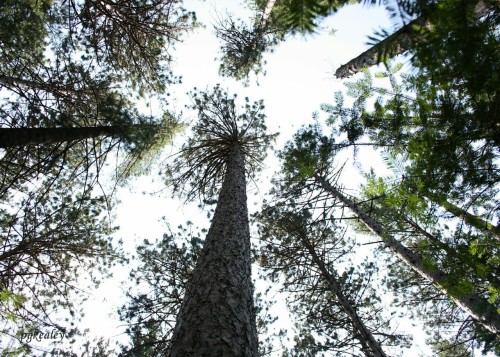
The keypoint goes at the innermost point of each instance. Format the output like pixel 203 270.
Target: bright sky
pixel 299 78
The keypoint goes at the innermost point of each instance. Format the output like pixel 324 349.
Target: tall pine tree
pixel 217 315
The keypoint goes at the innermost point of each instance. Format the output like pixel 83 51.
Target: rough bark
pixel 476 306
pixel 390 47
pixel 217 316
pixel 12 137
pixel 370 345
pixel 398 43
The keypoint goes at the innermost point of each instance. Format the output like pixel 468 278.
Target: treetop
pixel 221 127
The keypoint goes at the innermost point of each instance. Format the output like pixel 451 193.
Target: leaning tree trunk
pixel 12 137
pixel 472 261
pixel 370 345
pixel 217 316
pixel 472 220
pixel 390 47
pixel 399 42
pixel 476 306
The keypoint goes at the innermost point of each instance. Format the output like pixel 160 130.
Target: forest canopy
pixel 376 218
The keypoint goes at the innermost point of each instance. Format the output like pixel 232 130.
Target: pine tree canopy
pixel 67 70
pixel 362 259
pixel 340 309
pixel 243 45
pixel 127 38
pixel 437 127
pixel 201 165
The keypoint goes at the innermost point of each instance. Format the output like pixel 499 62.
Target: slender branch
pixel 475 305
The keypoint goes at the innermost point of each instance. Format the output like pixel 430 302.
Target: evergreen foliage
pixel 163 273
pixel 302 17
pixel 244 45
pixel 201 165
pixel 438 128
pixel 72 65
pixel 47 242
pixel 462 271
pixel 337 312
pixel 62 65
pixel 218 314
pixel 68 66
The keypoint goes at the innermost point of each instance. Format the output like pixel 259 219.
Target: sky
pixel 299 79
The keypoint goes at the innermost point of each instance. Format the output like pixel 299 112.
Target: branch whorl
pixel 200 166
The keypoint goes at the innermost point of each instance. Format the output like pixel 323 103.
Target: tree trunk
pixel 267 13
pixel 217 316
pixel 19 82
pixel 472 220
pixel 370 346
pixel 390 47
pixel 53 88
pixel 260 29
pixel 472 261
pixel 397 43
pixel 476 306
pixel 12 137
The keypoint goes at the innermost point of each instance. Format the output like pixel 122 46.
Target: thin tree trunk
pixel 370 345
pixel 470 260
pixel 472 220
pixel 54 88
pixel 476 306
pixel 390 47
pixel 12 137
pixel 217 316
pixel 267 13
pixel 397 43
pixel 261 27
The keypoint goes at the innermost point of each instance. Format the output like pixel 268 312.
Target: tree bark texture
pixel 390 47
pixel 399 42
pixel 474 305
pixel 217 316
pixel 370 346
pixel 12 137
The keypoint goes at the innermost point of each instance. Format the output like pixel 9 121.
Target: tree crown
pixel 202 160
